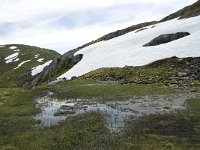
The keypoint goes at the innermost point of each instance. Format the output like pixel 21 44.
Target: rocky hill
pixel 19 63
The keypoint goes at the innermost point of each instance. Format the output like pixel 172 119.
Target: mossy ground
pixel 178 130
pixel 105 91
pixel 15 113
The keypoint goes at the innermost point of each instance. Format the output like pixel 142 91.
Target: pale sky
pixel 66 24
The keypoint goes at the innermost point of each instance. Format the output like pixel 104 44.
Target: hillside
pixel 68 60
pixel 187 12
pixel 126 47
pixel 19 63
pixel 137 88
pixel 172 71
pixel 129 49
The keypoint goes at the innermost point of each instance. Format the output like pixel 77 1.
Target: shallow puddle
pixel 54 110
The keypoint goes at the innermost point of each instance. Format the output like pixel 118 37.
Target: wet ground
pixel 54 110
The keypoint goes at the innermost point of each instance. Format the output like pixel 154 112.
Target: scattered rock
pixel 140 30
pixel 166 107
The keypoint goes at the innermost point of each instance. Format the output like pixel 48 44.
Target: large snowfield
pixel 128 50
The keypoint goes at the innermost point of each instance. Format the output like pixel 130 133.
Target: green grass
pixel 15 113
pixel 81 132
pixel 190 11
pixel 178 130
pixel 105 91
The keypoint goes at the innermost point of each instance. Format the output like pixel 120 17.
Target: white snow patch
pixel 39 68
pixel 22 63
pixel 16 60
pixel 40 60
pixel 16 50
pixel 55 81
pixel 13 47
pixel 128 49
pixel 12 57
pixel 37 55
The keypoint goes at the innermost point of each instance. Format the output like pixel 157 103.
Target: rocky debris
pixel 172 71
pixel 165 38
pixel 183 71
pixel 63 63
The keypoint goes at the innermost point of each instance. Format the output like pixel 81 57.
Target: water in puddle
pixel 54 110
pixel 66 108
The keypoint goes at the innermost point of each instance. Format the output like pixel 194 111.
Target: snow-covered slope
pixel 128 49
pixel 39 68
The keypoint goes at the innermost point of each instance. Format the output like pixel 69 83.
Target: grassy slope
pixel 102 91
pixel 9 75
pixel 187 12
pixel 166 71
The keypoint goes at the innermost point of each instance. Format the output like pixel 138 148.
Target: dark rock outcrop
pixel 57 67
pixel 24 79
pixel 165 38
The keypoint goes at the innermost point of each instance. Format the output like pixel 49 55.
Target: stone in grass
pixel 2 101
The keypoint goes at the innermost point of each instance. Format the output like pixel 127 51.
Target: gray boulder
pixel 165 38
pixel 57 67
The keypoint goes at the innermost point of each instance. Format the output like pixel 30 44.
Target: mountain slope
pixel 187 12
pixel 19 63
pixel 129 50
pixel 126 47
pixel 68 60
